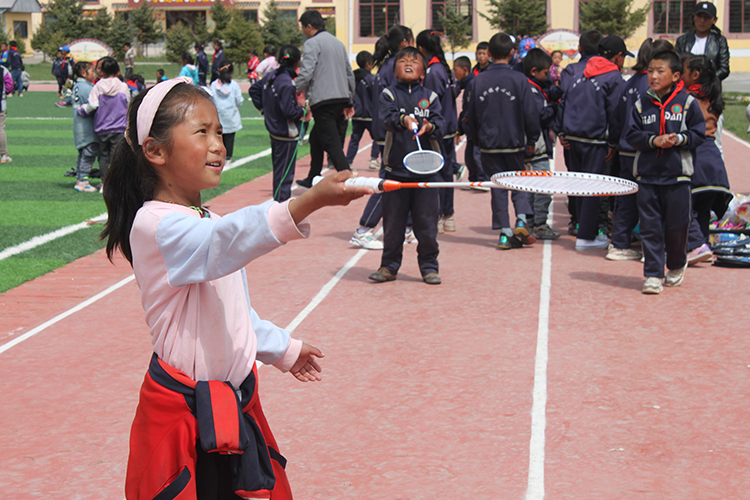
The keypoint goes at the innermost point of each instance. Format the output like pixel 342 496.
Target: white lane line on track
pixel 742 142
pixel 295 322
pixel 535 488
pixel 67 313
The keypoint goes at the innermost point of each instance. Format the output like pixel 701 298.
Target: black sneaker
pixel 573 229
pixel 544 232
pixel 304 183
pixel 507 242
pixel 522 232
pixel 72 173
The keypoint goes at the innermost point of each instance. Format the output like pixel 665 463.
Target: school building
pixel 359 23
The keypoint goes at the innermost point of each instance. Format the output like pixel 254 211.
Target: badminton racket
pixel 533 181
pixel 422 161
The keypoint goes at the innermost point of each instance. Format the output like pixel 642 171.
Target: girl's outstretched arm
pixel 328 192
pixel 307 369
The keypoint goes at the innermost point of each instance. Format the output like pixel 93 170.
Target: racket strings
pixel 423 162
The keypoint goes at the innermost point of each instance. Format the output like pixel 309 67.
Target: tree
pixel 331 25
pixel 101 26
pixel 200 30
pixel 612 17
pixel 147 29
pixel 241 36
pixel 63 22
pixel 221 17
pixel 456 26
pixel 518 17
pixel 178 41
pixel 277 29
pixel 120 33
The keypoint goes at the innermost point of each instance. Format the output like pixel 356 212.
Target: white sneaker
pixel 366 240
pixel 374 165
pixel 675 277
pixel 623 254
pixel 601 242
pixel 409 237
pixel 652 286
pixel 5 159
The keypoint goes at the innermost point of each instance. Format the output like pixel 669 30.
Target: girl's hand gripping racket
pixel 422 162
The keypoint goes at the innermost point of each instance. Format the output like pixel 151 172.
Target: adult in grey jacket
pixel 327 79
pixel 706 39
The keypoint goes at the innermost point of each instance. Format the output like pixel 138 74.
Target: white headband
pixel 150 104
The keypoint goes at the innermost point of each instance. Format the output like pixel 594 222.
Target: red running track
pixel 428 391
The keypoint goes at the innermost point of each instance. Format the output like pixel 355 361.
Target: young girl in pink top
pixel 199 430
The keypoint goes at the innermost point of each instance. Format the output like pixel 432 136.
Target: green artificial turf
pixel 37 199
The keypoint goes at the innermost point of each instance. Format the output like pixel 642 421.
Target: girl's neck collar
pixel 201 210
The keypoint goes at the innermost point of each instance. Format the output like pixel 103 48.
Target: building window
pixel 251 15
pixel 739 16
pixel 289 14
pixel 673 17
pixel 377 16
pixel 20 29
pixel 463 7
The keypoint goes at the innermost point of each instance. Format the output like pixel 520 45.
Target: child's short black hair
pixel 556 52
pixel 589 42
pixel 463 62
pixel 408 52
pixel 270 50
pixel 226 72
pixel 160 72
pixel 671 58
pixel 187 58
pixel 13 44
pixel 363 58
pixel 79 68
pixel 501 45
pixel 108 66
pixel 483 46
pixel 536 59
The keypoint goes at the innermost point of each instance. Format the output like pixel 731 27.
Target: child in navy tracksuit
pixel 501 119
pixel 282 116
pixel 536 66
pixel 665 127
pixel 397 105
pixel 362 119
pixel 588 124
pixel 472 156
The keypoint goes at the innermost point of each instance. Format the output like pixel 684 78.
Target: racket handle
pixel 373 183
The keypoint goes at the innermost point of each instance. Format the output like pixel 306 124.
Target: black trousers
pixel 229 144
pixel 330 127
pixel 358 131
pixel 665 212
pixel 284 162
pixel 423 205
pixel 626 208
pixel 589 158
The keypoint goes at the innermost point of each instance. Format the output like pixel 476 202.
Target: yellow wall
pixel 9 18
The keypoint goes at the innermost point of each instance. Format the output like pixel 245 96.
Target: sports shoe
pixel 432 279
pixel 652 286
pixel 84 187
pixel 374 164
pixel 449 223
pixel 409 238
pixel 304 183
pixel 544 232
pixel 601 242
pixel 441 225
pixel 573 228
pixel 382 275
pixel 366 240
pixel 462 173
pixel 623 254
pixel 701 254
pixel 521 231
pixel 508 242
pixel 5 159
pixel 675 277
pixel 59 104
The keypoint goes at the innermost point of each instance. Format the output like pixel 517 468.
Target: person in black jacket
pixel 706 39
pixel 15 64
pixel 202 62
pixel 217 60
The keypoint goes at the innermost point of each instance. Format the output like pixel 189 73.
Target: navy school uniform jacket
pixel 572 72
pixel 633 89
pixel 396 102
pixel 676 112
pixel 281 112
pixel 543 148
pixel 588 110
pixel 463 85
pixel 363 94
pixel 501 113
pixel 440 81
pixel 384 78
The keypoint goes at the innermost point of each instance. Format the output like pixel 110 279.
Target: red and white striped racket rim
pixel 569 183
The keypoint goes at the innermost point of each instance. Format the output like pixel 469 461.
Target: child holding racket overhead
pixel 199 430
pixel 665 127
pixel 402 105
